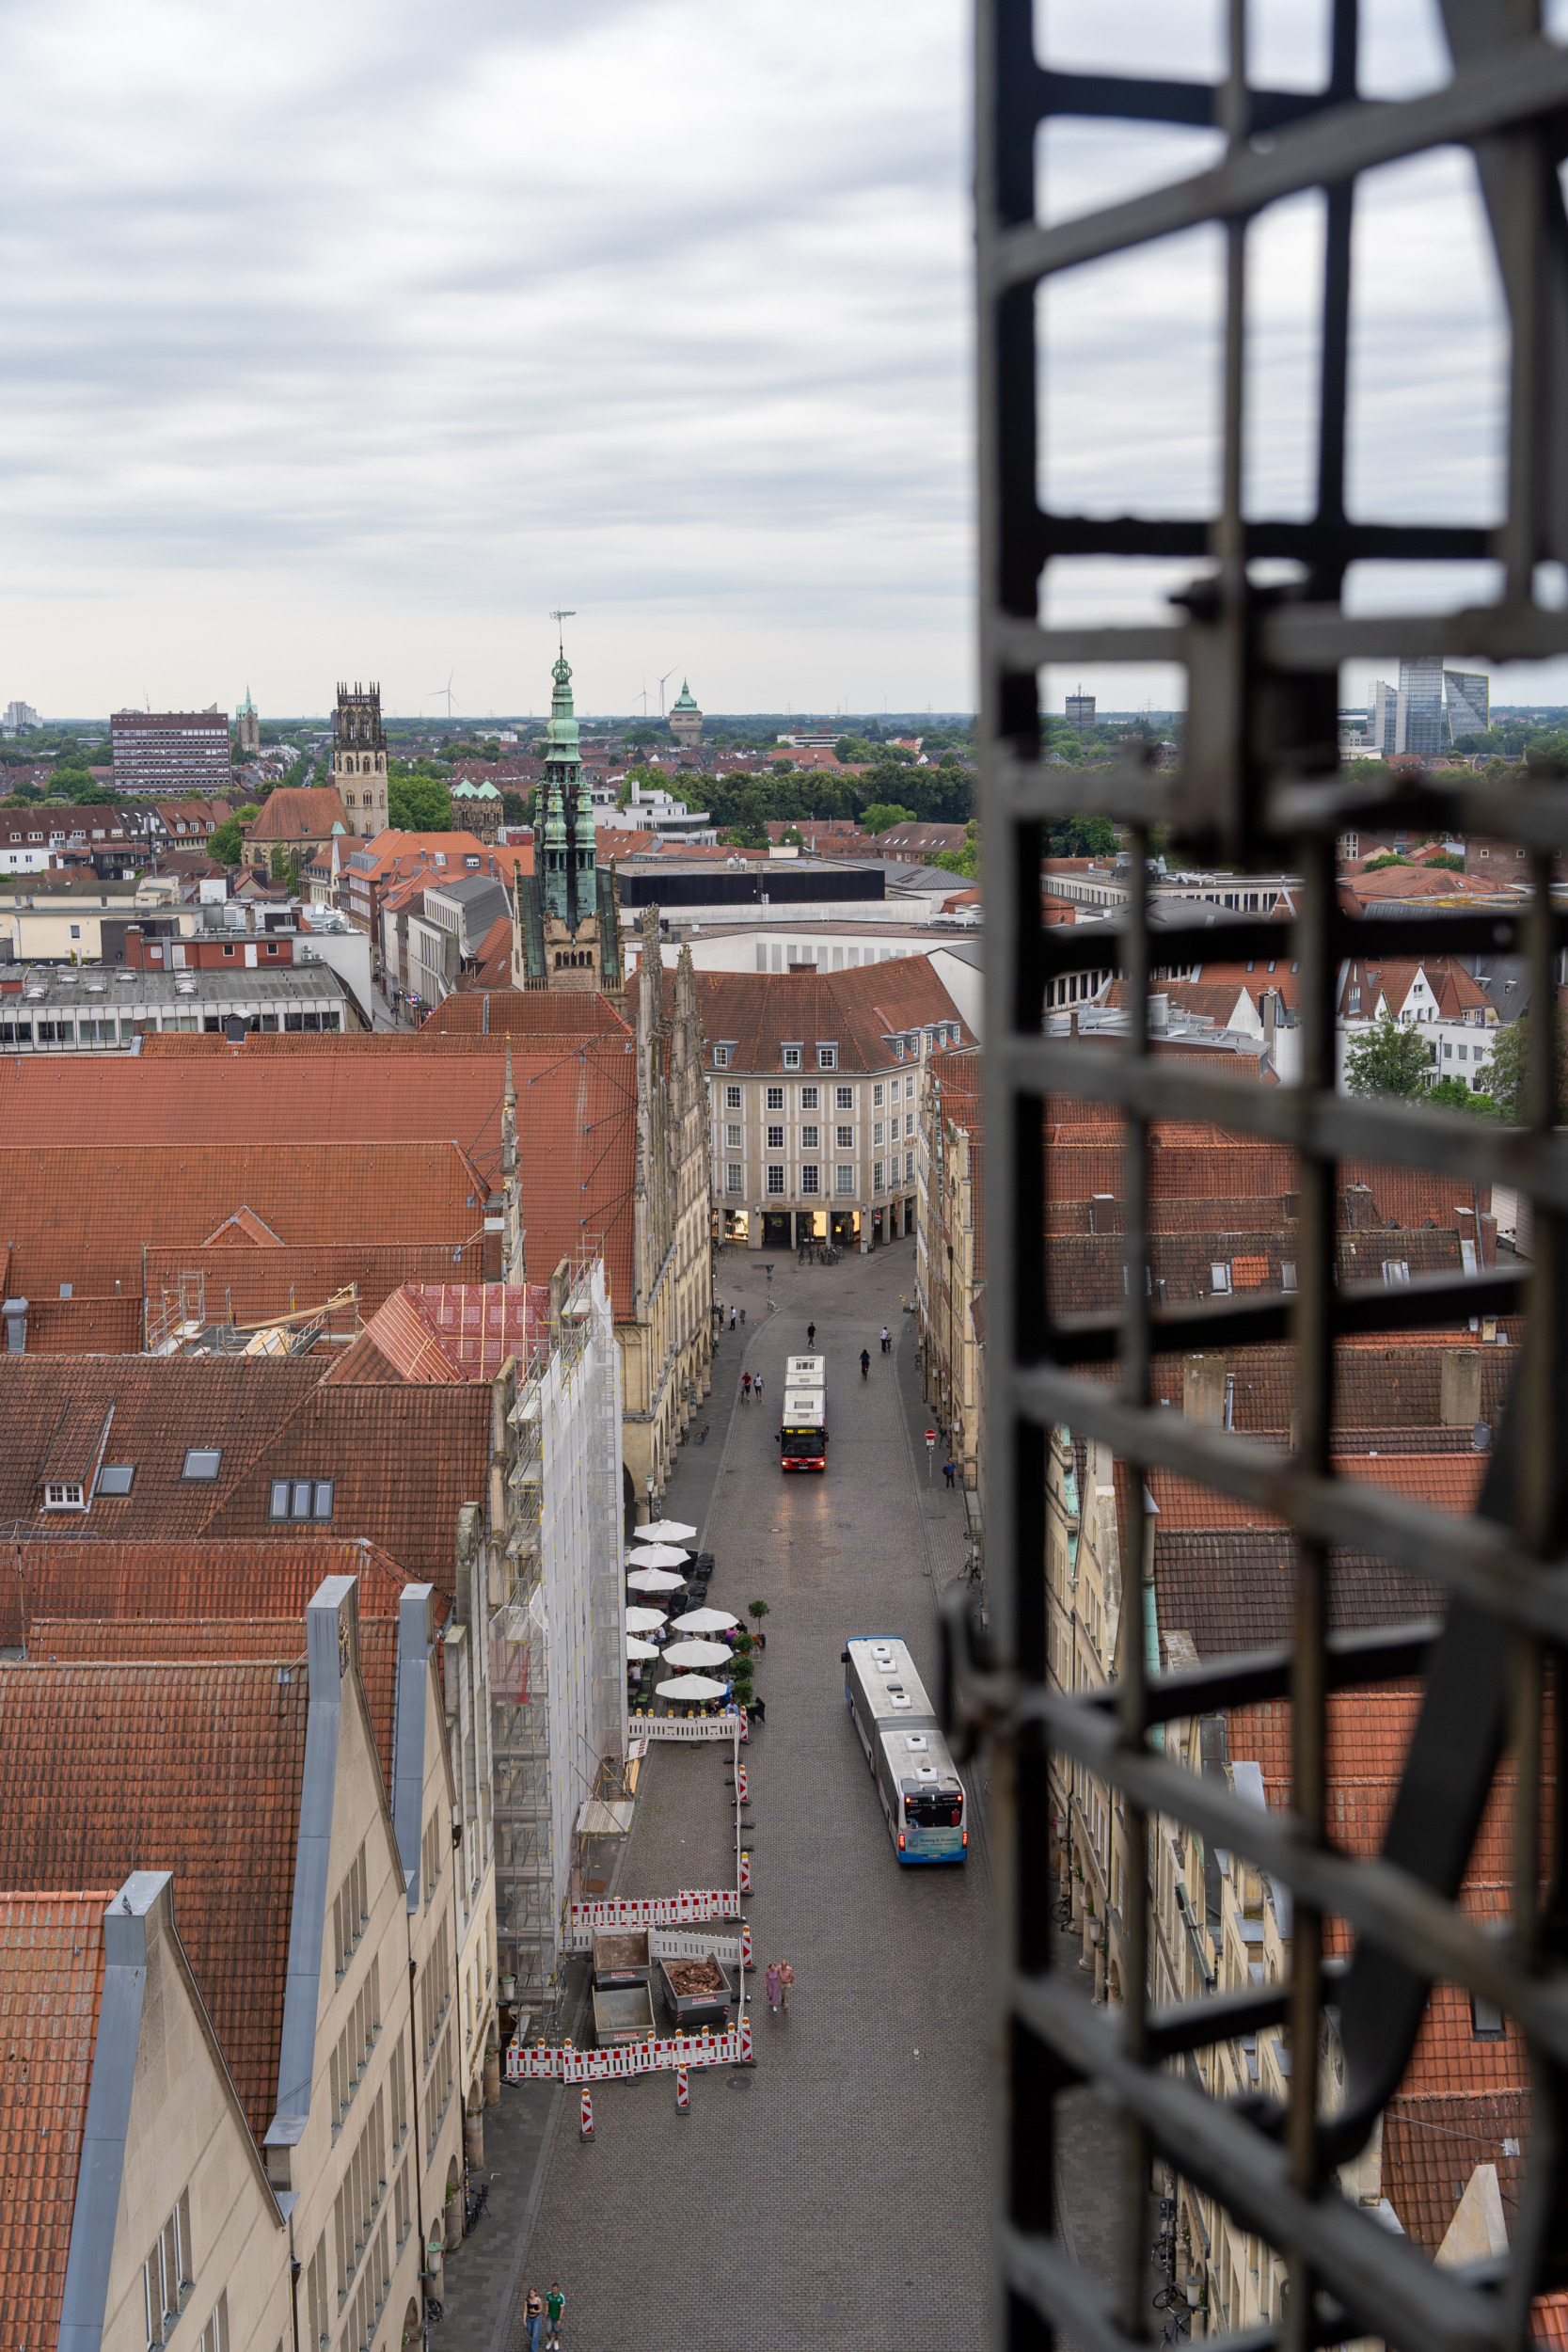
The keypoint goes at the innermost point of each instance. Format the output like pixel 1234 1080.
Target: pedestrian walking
pixel 758 1710
pixel 743 1318
pixel 555 2303
pixel 811 1335
pixel 887 1339
pixel 533 2312
pixel 759 1640
pixel 774 1986
pixel 949 1470
pixel 745 1388
pixel 865 1363
pixel 756 1385
pixel 731 1318
pixel 786 1977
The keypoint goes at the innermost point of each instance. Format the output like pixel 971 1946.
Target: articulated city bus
pixel 803 1431
pixel 917 1781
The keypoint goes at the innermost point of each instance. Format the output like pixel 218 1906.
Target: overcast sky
pixel 344 340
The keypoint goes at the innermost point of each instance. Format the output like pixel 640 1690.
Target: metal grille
pixel 1260 781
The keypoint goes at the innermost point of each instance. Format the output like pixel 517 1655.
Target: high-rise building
pixel 1421 694
pixel 359 757
pixel 1080 710
pixel 686 720
pixel 250 725
pixel 568 911
pixel 1386 718
pixel 18 716
pixel 1468 696
pixel 171 750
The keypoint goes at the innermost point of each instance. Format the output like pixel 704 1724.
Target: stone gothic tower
pixel 359 757
pixel 568 912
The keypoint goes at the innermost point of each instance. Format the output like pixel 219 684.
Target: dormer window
pixel 64 1495
pixel 792 1057
pixel 721 1057
pixel 827 1057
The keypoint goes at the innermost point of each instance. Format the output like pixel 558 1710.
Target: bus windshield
pixel 935 1808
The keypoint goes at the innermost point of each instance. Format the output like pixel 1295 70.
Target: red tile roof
pixel 82 1212
pixel 524 1012
pixel 195 1770
pixel 1443 1482
pixel 59 1576
pixel 51 1986
pixel 246 1285
pixel 861 1012
pixel 494 967
pixel 445 1332
pixel 298 812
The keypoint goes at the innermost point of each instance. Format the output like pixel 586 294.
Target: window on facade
pixel 301 1498
pixel 775 1098
pixel 845 1098
pixel 879 1177
pixel 731 1137
pixel 214 2336
pixel 775 1138
pixel 228 952
pixel 808 1138
pixel 350 1909
pixel 63 1495
pixel 76 931
pixel 721 1057
pixel 827 1057
pixel 201 1461
pixel 732 1098
pixel 168 2273
pixel 843 1180
pixel 809 1098
pixel 114 1478
pixel 809 1180
pixel 733 1177
pixel 877 1132
pixel 792 1057
pixel 775 1180
pixel 909 1168
pixel 876 1098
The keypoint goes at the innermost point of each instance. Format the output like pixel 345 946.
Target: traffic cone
pixel 683 2090
pixel 745 1871
pixel 587 2113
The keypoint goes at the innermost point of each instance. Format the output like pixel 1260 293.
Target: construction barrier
pixel 683 2090
pixel 682 1944
pixel 746 2058
pixel 745 1945
pixel 657 1911
pixel 686 1728
pixel 745 1871
pixel 587 2115
pixel 566 2065
pixel 741 1784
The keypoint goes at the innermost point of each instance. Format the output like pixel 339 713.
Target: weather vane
pixel 558 618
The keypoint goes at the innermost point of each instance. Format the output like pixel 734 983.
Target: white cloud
pixel 349 340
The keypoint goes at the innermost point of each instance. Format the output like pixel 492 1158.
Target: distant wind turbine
pixel 662 683
pixel 437 693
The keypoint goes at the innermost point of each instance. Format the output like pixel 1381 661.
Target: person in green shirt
pixel 555 2303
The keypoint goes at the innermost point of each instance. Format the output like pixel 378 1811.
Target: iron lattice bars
pixel 1260 777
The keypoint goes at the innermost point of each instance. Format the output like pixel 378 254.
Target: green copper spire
pixel 685 700
pixel 563 756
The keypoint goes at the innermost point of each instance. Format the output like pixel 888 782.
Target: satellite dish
pixel 1480 1438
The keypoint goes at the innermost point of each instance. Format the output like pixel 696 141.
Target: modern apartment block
pixel 171 750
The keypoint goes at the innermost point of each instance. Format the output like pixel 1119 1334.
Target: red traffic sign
pixel 930 1436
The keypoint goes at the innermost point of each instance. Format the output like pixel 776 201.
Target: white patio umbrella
pixel 698 1654
pixel 706 1621
pixel 644 1620
pixel 690 1687
pixel 654 1580
pixel 665 1531
pixel 655 1556
pixel 642 1649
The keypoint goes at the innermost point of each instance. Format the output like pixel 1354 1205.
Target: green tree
pixel 1083 836
pixel 793 838
pixel 883 815
pixel 1447 859
pixel 749 829
pixel 1452 1094
pixel 227 844
pixel 1388 1060
pixel 1508 1074
pixel 418 804
pixel 247 812
pixel 854 751
pixel 965 861
pixel 285 866
pixel 514 808
pixel 1381 865
pixel 91 794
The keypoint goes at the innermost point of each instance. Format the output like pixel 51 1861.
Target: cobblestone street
pixel 837 2194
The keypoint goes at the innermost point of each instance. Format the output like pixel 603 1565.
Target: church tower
pixel 359 757
pixel 568 934
pixel 248 724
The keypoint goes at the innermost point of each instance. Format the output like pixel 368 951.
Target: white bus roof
pixel 803 1409
pixel 804 1372
pixel 920 1755
pixel 893 1690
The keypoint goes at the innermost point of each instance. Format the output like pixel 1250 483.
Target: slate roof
pixel 196 1769
pixel 57 1577
pixel 757 1014
pixel 82 1212
pixel 50 1986
pixel 1085 1271
pixel 1378 1383
pixel 1231 1589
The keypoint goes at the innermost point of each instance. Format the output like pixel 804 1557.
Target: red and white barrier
pixel 658 1911
pixel 587 2115
pixel 654 2057
pixel 741 1784
pixel 745 1871
pixel 746 2058
pixel 683 2090
pixel 745 1943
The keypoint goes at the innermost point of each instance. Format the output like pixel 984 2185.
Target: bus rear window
pixel 935 1808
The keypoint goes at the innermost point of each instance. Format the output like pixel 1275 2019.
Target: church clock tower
pixel 567 933
pixel 359 757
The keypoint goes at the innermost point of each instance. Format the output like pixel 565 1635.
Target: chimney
pixel 1460 1397
pixel 15 1312
pixel 1158 1015
pixel 1203 1389
pixel 1271 1016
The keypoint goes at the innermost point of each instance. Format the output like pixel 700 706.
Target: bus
pixel 922 1797
pixel 803 1431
